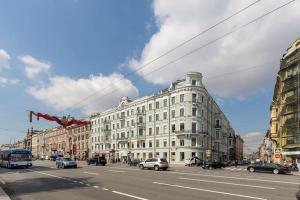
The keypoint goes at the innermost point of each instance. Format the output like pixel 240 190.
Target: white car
pixel 189 162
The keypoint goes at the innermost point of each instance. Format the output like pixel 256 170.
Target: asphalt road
pixel 44 182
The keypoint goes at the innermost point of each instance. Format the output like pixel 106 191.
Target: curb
pixel 3 195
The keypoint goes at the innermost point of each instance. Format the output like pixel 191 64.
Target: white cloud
pixel 252 141
pixel 4 59
pixel 260 44
pixel 5 81
pixel 33 67
pixel 64 92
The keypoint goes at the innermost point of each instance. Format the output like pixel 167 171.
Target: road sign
pixel 277 150
pixel 277 155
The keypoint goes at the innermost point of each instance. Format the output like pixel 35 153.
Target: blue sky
pixel 89 44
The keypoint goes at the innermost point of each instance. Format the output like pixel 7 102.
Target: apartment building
pixel 179 122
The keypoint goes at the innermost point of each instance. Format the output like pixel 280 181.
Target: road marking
pixel 255 186
pixel 212 191
pixel 114 170
pixel 104 189
pixel 75 181
pixel 45 173
pixel 95 186
pixel 238 178
pixel 53 167
pixel 88 185
pixel 2 181
pixel 129 195
pixel 91 173
pixel 81 183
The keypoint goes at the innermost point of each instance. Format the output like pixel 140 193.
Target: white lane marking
pixel 121 168
pixel 2 181
pixel 91 173
pixel 115 171
pixel 95 186
pixel 81 183
pixel 75 181
pixel 238 178
pixel 244 185
pixel 129 195
pixel 104 189
pixel 212 191
pixel 88 185
pixel 45 173
pixel 53 167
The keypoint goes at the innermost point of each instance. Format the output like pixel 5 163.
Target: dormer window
pixel 194 82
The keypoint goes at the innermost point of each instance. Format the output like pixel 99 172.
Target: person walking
pixel 236 163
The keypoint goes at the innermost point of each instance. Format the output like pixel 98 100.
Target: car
pixel 193 161
pixel 97 160
pixel 213 164
pixel 155 163
pixel 66 162
pixel 269 167
pixel 134 162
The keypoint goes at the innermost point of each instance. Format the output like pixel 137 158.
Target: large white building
pixel 177 123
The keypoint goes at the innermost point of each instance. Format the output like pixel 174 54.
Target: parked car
pixel 66 162
pixel 193 161
pixel 97 160
pixel 212 165
pixel 155 163
pixel 54 157
pixel 134 162
pixel 269 167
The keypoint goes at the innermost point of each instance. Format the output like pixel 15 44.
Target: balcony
pixel 122 139
pixel 289 86
pixel 141 124
pixel 106 122
pixel 122 117
pixel 141 137
pixel 186 132
pixel 291 99
pixel 291 123
pixel 107 130
pixel 141 112
pixel 218 126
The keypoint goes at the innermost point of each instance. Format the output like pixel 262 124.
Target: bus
pixel 11 158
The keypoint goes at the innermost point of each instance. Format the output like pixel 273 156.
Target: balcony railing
pixel 289 86
pixel 122 139
pixel 218 126
pixel 141 112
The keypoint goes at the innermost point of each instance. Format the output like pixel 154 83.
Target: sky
pixel 79 57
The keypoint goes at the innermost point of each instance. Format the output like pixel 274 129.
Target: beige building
pixel 239 147
pixel 79 141
pixel 56 142
pixel 284 123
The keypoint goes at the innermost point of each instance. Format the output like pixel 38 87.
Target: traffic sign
pixel 277 150
pixel 277 155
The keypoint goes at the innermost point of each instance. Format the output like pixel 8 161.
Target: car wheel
pixel 275 171
pixel 156 168
pixel 75 166
pixel 251 169
pixel 141 166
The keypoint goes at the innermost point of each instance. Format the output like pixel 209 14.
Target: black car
pixel 212 165
pixel 98 160
pixel 134 162
pixel 268 167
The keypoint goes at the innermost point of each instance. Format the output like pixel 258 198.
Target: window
pixel 157 104
pixel 127 112
pixel 140 119
pixel 143 144
pixel 150 144
pixel 181 126
pixel 141 131
pixel 173 113
pixel 181 98
pixel 173 156
pixel 165 129
pixel 194 98
pixel 173 128
pixel 165 102
pixel 143 108
pixel 157 143
pixel 202 98
pixel 194 82
pixel 114 126
pixel 132 122
pixel 173 143
pixel 194 127
pixel 150 131
pixel 118 126
pixel 157 130
pixel 217 134
pixel 173 100
pixel 157 117
pixel 181 112
pixel 165 155
pixel 193 142
pixel 181 143
pixel 194 112
pixel 165 115
pixel 165 143
pixel 150 106
pixel 150 118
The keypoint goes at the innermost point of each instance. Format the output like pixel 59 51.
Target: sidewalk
pixel 3 195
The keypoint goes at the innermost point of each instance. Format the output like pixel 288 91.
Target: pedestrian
pixel 236 163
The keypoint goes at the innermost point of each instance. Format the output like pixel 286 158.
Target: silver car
pixel 66 162
pixel 155 163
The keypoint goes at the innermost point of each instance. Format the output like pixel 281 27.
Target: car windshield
pixel 67 159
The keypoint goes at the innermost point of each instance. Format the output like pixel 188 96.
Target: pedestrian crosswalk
pixel 236 168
